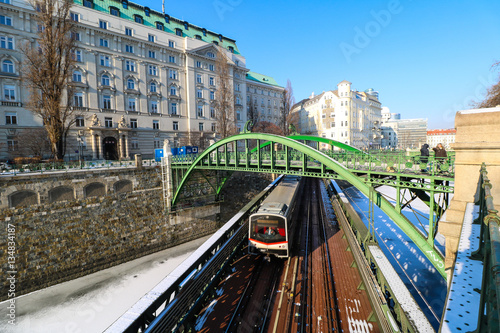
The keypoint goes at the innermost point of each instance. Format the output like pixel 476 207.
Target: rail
pixel 489 253
pixel 30 168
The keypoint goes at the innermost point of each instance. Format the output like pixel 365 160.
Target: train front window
pixel 268 229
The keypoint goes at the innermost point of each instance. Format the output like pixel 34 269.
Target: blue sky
pixel 427 59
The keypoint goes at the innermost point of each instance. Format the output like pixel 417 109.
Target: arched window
pixel 186 25
pixel 138 18
pixel 204 31
pixel 146 11
pixel 167 18
pixel 220 38
pixel 152 87
pixel 130 84
pixel 125 4
pixel 77 76
pixel 88 3
pixel 114 11
pixel 105 80
pixel 8 66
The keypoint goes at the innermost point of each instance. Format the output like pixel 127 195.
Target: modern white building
pixel 444 136
pixel 265 96
pixel 344 115
pixel 141 77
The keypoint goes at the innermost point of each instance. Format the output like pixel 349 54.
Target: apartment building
pixel 141 76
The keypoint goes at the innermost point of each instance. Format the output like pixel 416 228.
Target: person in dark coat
pixel 424 155
pixel 440 152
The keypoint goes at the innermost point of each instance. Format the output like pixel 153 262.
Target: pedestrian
pixel 440 155
pixel 424 155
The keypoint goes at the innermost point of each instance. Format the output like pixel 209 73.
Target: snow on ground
pixel 93 302
pixel 421 278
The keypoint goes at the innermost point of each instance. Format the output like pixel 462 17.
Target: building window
pixel 12 145
pixel 198 64
pixel 9 93
pixel 153 70
pixel 106 102
pixel 171 44
pixel 10 118
pixel 147 11
pixel 154 107
pixel 199 93
pixel 152 87
pixel 186 25
pixel 211 67
pixel 152 54
pixel 138 18
pixel 198 78
pixel 198 37
pixel 88 3
pixel 131 104
pixel 74 17
pixel 211 81
pixel 130 84
pixel 212 95
pixel 77 76
pixel 175 125
pixel 212 113
pixel 79 121
pixel 114 11
pixel 7 42
pixel 159 26
pixel 157 143
pixel 210 55
pixel 78 99
pixel 151 38
pixel 178 32
pixel 213 127
pixel 215 42
pixel 103 42
pixel 75 36
pixel 200 111
pixel 129 48
pixel 108 122
pixel 134 144
pixel 172 73
pixel 103 24
pixel 238 101
pixel 231 49
pixel 105 61
pixel 130 65
pixel 77 55
pixel 105 80
pixel 237 87
pixel 167 18
pixel 125 4
pixel 204 32
pixel 171 59
pixel 173 108
pixel 173 91
pixel 128 31
pixel 200 127
pixel 156 124
pixel 133 123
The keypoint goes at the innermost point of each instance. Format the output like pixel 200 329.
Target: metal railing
pixel 29 168
pixel 489 253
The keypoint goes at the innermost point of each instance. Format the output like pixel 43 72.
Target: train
pixel 271 227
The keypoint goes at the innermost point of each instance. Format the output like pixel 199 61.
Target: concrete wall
pixel 477 141
pixel 115 216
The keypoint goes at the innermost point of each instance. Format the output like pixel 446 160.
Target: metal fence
pixel 489 253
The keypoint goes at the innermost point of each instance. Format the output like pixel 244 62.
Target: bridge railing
pixel 489 253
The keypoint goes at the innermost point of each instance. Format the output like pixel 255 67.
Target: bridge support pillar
pixel 477 141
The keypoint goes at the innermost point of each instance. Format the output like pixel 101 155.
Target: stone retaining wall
pixel 62 240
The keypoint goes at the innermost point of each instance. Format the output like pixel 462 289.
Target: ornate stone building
pixel 140 77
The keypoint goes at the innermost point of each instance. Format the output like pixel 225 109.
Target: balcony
pixel 10 103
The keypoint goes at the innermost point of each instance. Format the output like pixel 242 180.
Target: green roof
pixel 169 23
pixel 262 79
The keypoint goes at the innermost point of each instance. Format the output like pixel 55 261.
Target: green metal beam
pixel 317 139
pixel 401 221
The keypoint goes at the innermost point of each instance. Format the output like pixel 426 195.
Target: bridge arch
pixel 331 142
pixel 401 221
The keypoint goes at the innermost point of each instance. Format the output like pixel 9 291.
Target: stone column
pixel 94 146
pixel 98 146
pixel 477 141
pixel 127 155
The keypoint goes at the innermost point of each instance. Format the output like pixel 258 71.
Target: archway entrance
pixel 110 148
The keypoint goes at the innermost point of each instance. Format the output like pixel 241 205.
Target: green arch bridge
pixel 196 179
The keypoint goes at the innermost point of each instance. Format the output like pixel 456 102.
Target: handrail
pixel 489 253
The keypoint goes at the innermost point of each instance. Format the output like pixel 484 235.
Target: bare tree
pixel 253 112
pixel 47 68
pixel 267 127
pixel 286 106
pixel 224 97
pixel 493 95
pixel 34 142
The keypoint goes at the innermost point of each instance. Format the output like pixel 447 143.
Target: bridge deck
pixel 462 304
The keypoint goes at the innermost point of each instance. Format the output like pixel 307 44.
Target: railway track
pixel 297 294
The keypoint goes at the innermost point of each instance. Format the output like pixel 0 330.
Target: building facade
pixel 264 98
pixel 344 115
pixel 140 77
pixel 444 136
